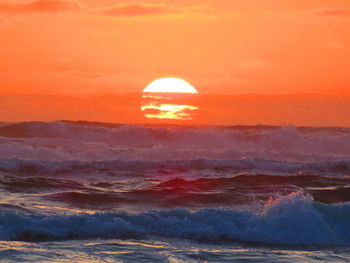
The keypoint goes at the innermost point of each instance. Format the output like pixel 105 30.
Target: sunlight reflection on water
pixel 173 251
pixel 168 106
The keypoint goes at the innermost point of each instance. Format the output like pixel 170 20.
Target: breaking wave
pixel 295 219
pixel 91 141
pixel 48 168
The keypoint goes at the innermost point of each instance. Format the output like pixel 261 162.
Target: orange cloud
pixel 144 9
pixel 139 9
pixel 334 12
pixel 38 6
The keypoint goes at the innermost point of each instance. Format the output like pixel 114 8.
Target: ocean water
pixel 97 192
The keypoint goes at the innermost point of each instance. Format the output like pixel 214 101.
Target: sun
pixel 169 99
pixel 170 85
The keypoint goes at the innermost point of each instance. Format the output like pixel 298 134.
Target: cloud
pixel 144 9
pixel 333 12
pixel 139 9
pixel 39 6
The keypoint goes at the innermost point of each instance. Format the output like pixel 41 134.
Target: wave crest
pixel 87 141
pixel 295 219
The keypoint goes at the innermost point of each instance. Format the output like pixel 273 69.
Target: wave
pixel 111 194
pixel 208 167
pixel 94 141
pixel 295 219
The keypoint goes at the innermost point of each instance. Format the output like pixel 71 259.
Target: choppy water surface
pixel 88 192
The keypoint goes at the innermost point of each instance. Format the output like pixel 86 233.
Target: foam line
pixel 295 219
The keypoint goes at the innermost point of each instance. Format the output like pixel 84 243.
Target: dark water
pixel 90 192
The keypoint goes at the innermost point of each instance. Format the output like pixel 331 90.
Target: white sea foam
pixel 294 219
pixel 67 141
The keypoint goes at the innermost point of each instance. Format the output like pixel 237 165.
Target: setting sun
pixel 174 130
pixel 170 85
pixel 169 99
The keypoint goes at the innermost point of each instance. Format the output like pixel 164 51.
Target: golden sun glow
pixel 169 111
pixel 170 85
pixel 169 99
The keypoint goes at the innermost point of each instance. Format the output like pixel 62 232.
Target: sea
pixel 102 192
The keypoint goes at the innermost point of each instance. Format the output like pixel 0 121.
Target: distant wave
pixel 96 141
pixel 295 219
pixel 174 167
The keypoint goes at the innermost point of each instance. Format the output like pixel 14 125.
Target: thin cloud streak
pixel 40 6
pixel 333 12
pixel 140 9
pixel 144 9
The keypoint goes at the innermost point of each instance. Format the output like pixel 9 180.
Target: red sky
pixel 89 59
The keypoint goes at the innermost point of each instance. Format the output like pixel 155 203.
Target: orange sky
pixel 72 53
